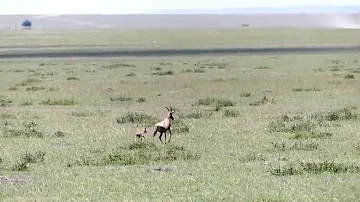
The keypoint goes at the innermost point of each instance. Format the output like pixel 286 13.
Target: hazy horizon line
pixel 219 10
pixel 284 7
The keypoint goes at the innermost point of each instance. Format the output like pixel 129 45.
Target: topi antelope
pixel 164 125
pixel 140 134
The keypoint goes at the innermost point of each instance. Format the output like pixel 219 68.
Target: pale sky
pixel 139 6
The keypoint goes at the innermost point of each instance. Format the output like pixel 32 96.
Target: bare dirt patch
pixel 12 180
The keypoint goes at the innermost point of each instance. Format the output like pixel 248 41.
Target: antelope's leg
pixel 165 137
pixel 160 137
pixel 170 134
pixel 154 134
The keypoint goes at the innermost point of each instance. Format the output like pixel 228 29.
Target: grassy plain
pixel 228 142
pixel 182 38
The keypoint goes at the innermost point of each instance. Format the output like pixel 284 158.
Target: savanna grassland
pixel 264 127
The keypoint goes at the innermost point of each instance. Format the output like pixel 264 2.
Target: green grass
pixel 246 128
pixel 249 37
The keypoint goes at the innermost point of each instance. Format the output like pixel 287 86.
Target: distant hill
pixel 265 10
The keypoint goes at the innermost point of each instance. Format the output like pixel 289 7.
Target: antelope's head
pixel 145 131
pixel 170 113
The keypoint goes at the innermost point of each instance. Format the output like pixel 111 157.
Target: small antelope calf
pixel 164 125
pixel 140 134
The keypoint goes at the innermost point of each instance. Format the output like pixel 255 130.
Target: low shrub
pixel 138 118
pixel 163 73
pixel 315 168
pixel 63 102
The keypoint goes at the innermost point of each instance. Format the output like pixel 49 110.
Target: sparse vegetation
pixel 178 126
pixel 335 68
pixel 315 168
pixel 311 134
pixel 82 113
pixel 63 102
pixel 299 145
pixel 223 103
pixel 121 98
pixel 305 89
pixel 198 114
pixel 219 65
pixel 205 101
pixel 163 73
pixel 245 95
pixel 38 156
pixel 349 76
pixel 343 114
pixel 73 78
pixel 34 88
pixel 357 146
pixel 13 88
pixel 26 103
pixel 138 118
pixel 355 71
pixel 66 140
pixel 265 100
pixel 218 103
pixel 305 127
pixel 5 102
pixel 144 153
pixel 231 113
pixel 141 99
pixel 138 153
pixel 7 115
pixel 199 71
pixel 262 67
pixel 52 89
pixel 59 134
pixel 288 124
pixel 91 71
pixel 28 158
pixel 156 68
pixel 20 166
pixel 18 71
pixel 319 70
pixel 118 65
pixel 30 130
pixel 131 74
pixel 223 80
pixel 28 82
pixel 187 71
pixel 336 62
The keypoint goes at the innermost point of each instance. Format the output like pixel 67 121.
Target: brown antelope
pixel 140 134
pixel 164 125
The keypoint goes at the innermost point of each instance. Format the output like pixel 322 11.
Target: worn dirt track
pixel 122 52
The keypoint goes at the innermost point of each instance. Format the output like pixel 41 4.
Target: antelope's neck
pixel 168 119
